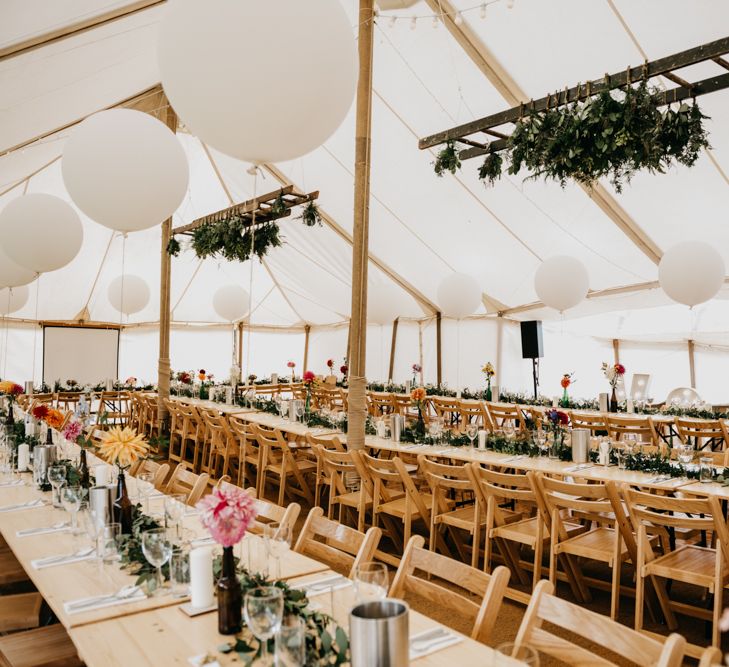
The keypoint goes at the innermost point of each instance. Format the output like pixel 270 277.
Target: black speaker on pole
pixel 532 348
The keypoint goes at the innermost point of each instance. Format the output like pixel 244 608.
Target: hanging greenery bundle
pixel 611 135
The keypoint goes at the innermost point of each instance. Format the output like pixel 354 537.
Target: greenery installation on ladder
pixel 234 237
pixel 613 135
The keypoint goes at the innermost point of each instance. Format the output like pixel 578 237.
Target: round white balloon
pixel 231 302
pixel 561 282
pixel 12 274
pixel 128 294
pixel 260 80
pixel 125 169
pixel 382 305
pixel 12 299
pixel 691 272
pixel 40 232
pixel 459 295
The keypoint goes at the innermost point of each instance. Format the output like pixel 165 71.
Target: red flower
pixel 557 417
pixel 291 364
pixel 40 411
pixel 16 390
pixel 309 378
pixel 344 369
pixel 330 363
pixel 620 369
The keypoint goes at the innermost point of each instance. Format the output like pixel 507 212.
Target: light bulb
pixel 459 19
pixel 413 23
pixel 482 12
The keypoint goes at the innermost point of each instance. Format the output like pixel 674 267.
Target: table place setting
pixel 12 482
pixel 64 559
pixel 581 466
pixel 432 640
pixel 324 585
pixel 60 527
pixel 30 504
pixel 126 594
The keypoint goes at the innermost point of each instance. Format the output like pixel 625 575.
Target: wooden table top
pixel 167 636
pixel 275 421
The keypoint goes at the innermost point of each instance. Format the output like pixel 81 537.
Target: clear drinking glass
pixel 71 500
pixel 472 432
pixel 263 611
pixel 175 507
pixel 145 487
pixel 291 643
pixel 180 573
pixel 277 537
pixel 370 581
pixel 157 549
pixel 685 453
pixel 93 523
pixel 525 654
pixel 56 478
pixel 540 437
pixel 110 538
pixel 706 470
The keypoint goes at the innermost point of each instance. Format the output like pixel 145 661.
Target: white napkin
pixel 71 607
pixel 23 506
pixel 323 585
pixel 52 561
pixel 438 642
pixel 14 482
pixel 44 530
pixel 199 661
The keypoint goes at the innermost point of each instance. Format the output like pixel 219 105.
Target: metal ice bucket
pixel 101 501
pixel 379 634
pixel 580 444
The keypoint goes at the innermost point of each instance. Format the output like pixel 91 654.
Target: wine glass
pixel 71 500
pixel 472 432
pixel 685 453
pixel 174 511
pixel 157 550
pixel 145 486
pixel 277 537
pixel 540 437
pixel 93 523
pixel 57 477
pixel 263 611
pixel 509 430
pixel 370 581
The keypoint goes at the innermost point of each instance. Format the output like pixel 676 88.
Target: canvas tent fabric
pixel 421 228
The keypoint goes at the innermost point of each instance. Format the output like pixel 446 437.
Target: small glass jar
pixel 706 471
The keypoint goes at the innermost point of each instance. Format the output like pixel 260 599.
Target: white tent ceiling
pixel 421 228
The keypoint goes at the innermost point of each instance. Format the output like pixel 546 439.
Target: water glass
pixel 145 487
pixel 685 453
pixel 93 523
pixel 291 643
pixel 370 581
pixel 56 478
pixel 277 537
pixel 525 654
pixel 157 549
pixel 263 611
pixel 71 500
pixel 540 438
pixel 472 432
pixel 175 507
pixel 180 573
pixel 706 470
pixel 110 539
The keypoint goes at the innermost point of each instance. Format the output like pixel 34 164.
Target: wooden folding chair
pixel 505 415
pixel 474 412
pixel 224 451
pixel 595 422
pixel 335 544
pixel 249 460
pixel 379 404
pixel 709 434
pixel 595 628
pixel 448 409
pixel 279 461
pixel 642 427
pixel 702 566
pixel 487 588
pixel 187 482
pixel 322 475
pixel 49 646
pixel 340 469
pixel 159 470
pixel 268 512
pixel 454 509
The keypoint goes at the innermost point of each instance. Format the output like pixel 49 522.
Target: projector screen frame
pixel 77 325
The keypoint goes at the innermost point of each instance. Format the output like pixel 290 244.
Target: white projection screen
pixel 86 355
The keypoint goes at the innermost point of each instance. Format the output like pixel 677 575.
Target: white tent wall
pixel 17 341
pixel 712 371
pixel 407 352
pixel 667 363
pixel 466 346
pixel 327 343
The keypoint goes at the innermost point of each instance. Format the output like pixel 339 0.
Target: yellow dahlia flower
pixel 122 446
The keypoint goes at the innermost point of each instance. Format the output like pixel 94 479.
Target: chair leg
pixel 538 557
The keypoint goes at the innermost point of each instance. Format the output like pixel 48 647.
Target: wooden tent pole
pixel 439 356
pixel 392 347
pixel 169 117
pixel 357 411
pixel 307 330
pixel 616 350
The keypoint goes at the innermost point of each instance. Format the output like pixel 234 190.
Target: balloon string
pixel 7 334
pixel 250 274
pixel 121 299
pixel 35 333
pixel 458 356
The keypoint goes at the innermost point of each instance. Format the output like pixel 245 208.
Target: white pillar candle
pixel 630 407
pixel 109 384
pixel 23 457
pixel 603 398
pixel 101 474
pixel 229 395
pixel 555 401
pixel 482 439
pixel 201 577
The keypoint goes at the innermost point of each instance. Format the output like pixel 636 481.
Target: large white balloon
pixel 12 274
pixel 261 80
pixel 40 232
pixel 231 302
pixel 125 169
pixel 132 297
pixel 382 305
pixel 12 299
pixel 561 282
pixel 458 295
pixel 691 272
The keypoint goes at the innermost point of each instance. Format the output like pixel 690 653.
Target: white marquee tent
pixel 421 228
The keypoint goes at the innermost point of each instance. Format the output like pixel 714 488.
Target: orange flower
pixel 566 381
pixel 122 446
pixel 54 419
pixel 417 394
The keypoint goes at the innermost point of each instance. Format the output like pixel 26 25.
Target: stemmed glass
pixel 277 537
pixel 57 477
pixel 263 611
pixel 685 454
pixel 145 486
pixel 93 522
pixel 472 432
pixel 540 438
pixel 370 581
pixel 251 396
pixel 174 511
pixel 435 428
pixel 157 550
pixel 71 500
pixel 508 430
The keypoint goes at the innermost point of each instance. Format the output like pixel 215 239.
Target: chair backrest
pixel 446 408
pixel 474 412
pixel 269 512
pixel 711 657
pixel 640 426
pixel 159 470
pixel 703 432
pixel 444 480
pixel 338 466
pixel 401 404
pixel 594 421
pixel 488 589
pixel 493 488
pixel 338 545
pixel 598 629
pixel 503 414
pixel 185 481
pixel 379 403
pixel 328 442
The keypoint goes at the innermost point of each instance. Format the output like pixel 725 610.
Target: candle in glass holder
pixel 201 577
